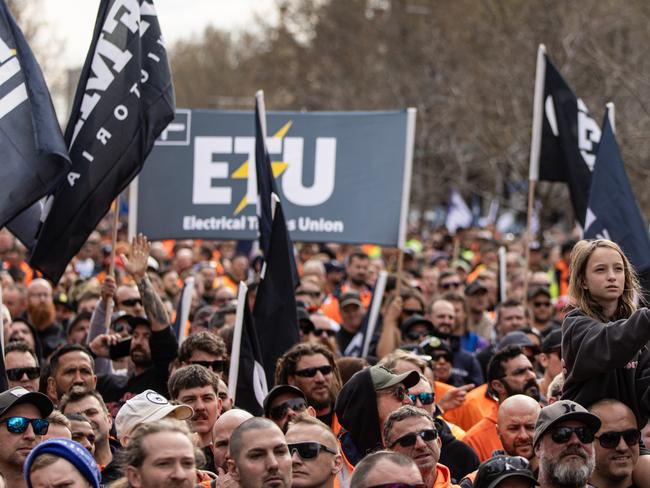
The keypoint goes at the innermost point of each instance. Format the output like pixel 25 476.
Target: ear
pixel 133 475
pixel 338 464
pixel 291 380
pixel 51 390
pixel 94 382
pixel 543 360
pixel 232 469
pixel 311 411
pixel 498 387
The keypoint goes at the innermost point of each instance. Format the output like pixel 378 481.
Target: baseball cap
pixel 278 390
pixel 20 396
pixel 63 299
pixel 431 344
pixel 71 451
pixel 515 338
pixel 145 407
pixel 552 341
pixel 350 298
pixel 383 378
pixel 498 468
pixel 414 320
pixel 132 320
pixel 539 290
pixel 560 411
pixel 475 287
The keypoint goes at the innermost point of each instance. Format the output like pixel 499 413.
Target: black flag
pixel 275 313
pixel 569 140
pixel 613 212
pixel 33 154
pixel 124 99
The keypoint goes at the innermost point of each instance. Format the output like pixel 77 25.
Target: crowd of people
pixel 471 380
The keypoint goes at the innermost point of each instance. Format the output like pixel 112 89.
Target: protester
pixel 516 427
pixel 550 359
pixel 283 403
pixel 71 365
pixel 42 314
pixel 205 349
pixel 315 457
pixel 504 471
pixel 259 455
pixel 541 310
pixel 61 462
pixel 82 431
pixel 386 468
pixel 23 419
pixel 221 432
pixel 58 426
pixel 564 445
pixel 21 366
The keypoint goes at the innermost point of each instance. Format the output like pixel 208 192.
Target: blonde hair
pixel 580 255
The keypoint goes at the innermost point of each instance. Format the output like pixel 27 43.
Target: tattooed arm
pixel 136 265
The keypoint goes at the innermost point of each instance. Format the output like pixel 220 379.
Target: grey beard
pixel 565 475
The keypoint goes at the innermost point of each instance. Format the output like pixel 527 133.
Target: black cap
pixel 350 298
pixel 278 390
pixel 496 469
pixel 431 344
pixel 132 320
pixel 414 320
pixel 560 411
pixel 63 299
pixel 20 396
pixel 552 341
pixel 333 266
pixel 515 338
pixel 539 290
pixel 474 287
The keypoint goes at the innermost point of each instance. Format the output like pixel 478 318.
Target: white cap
pixel 145 407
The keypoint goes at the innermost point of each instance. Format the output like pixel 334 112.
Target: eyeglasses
pixel 217 365
pixel 412 311
pixel 280 411
pixel 609 440
pixel 18 425
pixel 16 374
pixel 451 284
pixel 399 393
pixel 320 332
pixel 409 440
pixel 561 435
pixel 314 294
pixel 131 302
pixel 437 357
pixel 311 372
pixel 309 450
pixel 120 326
pixel 541 304
pixel 415 335
pixel 425 398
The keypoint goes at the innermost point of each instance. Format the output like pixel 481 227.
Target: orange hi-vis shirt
pixel 477 406
pixel 443 477
pixel 330 306
pixel 483 437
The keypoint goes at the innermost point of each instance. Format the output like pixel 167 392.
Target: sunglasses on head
pixel 18 425
pixel 327 332
pixel 216 365
pixel 280 411
pixel 309 450
pixel 610 440
pixel 131 302
pixel 425 398
pixel 561 435
pixel 311 372
pixel 409 440
pixel 16 374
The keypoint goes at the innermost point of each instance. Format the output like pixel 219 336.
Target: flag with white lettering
pixel 569 140
pixel 124 100
pixel 613 212
pixel 32 150
pixel 275 314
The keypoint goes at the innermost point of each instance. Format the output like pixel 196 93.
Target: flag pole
pixel 535 149
pixel 111 266
pixel 233 374
pixel 400 268
pixel 611 113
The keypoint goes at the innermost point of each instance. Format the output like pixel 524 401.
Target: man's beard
pixel 41 315
pixel 530 389
pixel 358 281
pixel 320 404
pixel 142 360
pixel 567 474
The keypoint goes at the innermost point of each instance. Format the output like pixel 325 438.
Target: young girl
pixel 604 339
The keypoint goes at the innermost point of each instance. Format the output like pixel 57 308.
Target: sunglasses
pixel 309 450
pixel 610 440
pixel 120 326
pixel 216 365
pixel 327 332
pixel 438 357
pixel 311 372
pixel 16 374
pixel 18 425
pixel 541 304
pixel 280 411
pixel 415 335
pixel 561 435
pixel 425 398
pixel 453 284
pixel 314 294
pixel 131 302
pixel 409 440
pixel 412 311
pixel 399 393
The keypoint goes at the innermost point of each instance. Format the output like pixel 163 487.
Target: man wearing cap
pixel 550 359
pixel 502 471
pixel 478 301
pixel 415 329
pixel 283 403
pixel 356 273
pixel 411 431
pixel 23 421
pixel 61 462
pixel 146 407
pixel 564 445
pixel 352 313
pixel 364 404
pixel 541 309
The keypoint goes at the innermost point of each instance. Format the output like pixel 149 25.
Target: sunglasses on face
pixel 399 393
pixel 412 311
pixel 216 365
pixel 415 335
pixel 409 440
pixel 448 286
pixel 321 332
pixel 561 435
pixel 438 357
pixel 541 304
pixel 309 450
pixel 16 374
pixel 311 372
pixel 18 425
pixel 425 398
pixel 280 411
pixel 131 302
pixel 610 440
